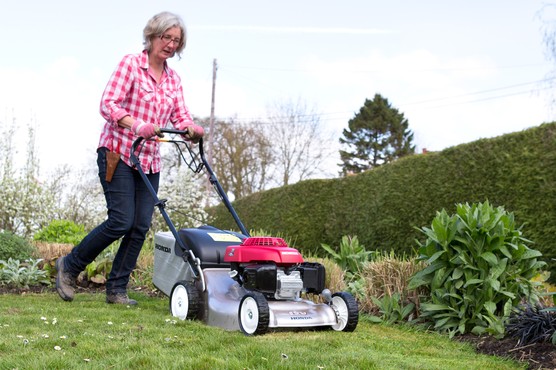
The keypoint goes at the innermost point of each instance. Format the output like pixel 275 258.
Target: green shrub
pixel 22 275
pixel 16 247
pixel 393 309
pixel 98 270
pixel 479 269
pixel 350 255
pixel 61 231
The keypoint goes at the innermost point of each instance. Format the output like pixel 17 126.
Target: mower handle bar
pixel 212 178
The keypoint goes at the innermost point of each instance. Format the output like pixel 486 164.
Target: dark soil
pixel 536 356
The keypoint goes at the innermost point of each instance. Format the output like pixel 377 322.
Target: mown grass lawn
pixel 40 331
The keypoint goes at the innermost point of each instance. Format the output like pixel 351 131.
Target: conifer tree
pixel 376 135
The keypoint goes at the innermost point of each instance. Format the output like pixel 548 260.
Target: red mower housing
pixel 263 249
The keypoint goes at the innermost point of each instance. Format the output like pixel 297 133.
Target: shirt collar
pixel 144 60
pixel 144 63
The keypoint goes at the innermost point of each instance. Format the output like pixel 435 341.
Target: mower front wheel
pixel 347 311
pixel 253 314
pixel 185 300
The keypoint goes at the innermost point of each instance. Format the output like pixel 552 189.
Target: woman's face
pixel 165 45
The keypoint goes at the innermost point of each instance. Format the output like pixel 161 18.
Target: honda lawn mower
pixel 237 282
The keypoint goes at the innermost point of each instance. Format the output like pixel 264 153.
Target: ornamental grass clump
pixel 479 267
pixel 386 277
pixel 532 324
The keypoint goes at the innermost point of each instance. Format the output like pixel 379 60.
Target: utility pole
pixel 211 124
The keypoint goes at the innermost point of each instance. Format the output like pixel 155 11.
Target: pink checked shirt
pixel 132 91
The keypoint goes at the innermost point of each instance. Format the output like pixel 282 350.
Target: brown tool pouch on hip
pixel 112 160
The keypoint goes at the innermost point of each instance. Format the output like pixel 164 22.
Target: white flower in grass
pixel 79 320
pixel 43 318
pixel 45 335
pixel 63 337
pixel 57 348
pixel 19 336
pixel 54 321
pixel 87 359
pixel 110 322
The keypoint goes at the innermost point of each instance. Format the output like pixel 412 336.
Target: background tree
pixel 298 141
pixel 547 16
pixel 185 197
pixel 7 178
pixel 378 134
pixel 79 196
pixel 242 157
pixel 35 203
pixel 25 206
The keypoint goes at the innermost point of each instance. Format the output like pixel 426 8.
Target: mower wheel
pixel 253 314
pixel 347 311
pixel 185 300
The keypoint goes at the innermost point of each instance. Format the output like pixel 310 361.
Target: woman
pixel 142 94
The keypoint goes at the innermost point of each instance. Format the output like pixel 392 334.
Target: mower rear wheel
pixel 185 300
pixel 347 311
pixel 253 314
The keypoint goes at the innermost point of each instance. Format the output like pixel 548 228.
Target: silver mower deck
pixel 219 303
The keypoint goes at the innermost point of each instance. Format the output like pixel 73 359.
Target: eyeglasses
pixel 167 39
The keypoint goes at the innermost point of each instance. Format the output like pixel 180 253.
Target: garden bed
pixel 537 355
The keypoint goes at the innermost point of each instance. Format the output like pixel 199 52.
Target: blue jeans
pixel 130 209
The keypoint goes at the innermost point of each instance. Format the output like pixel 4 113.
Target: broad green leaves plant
pixel 392 309
pixel 350 255
pixel 61 231
pixel 98 270
pixel 479 267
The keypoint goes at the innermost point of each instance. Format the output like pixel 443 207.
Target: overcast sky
pixel 458 70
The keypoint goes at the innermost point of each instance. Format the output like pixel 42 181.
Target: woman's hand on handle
pixel 194 133
pixel 144 129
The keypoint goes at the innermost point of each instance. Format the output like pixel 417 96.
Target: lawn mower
pixel 231 280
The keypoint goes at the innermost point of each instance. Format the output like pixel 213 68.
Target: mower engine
pixel 269 266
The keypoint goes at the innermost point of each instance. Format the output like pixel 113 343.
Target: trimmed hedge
pixel 383 207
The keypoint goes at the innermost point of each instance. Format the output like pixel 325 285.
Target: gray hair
pixel 160 23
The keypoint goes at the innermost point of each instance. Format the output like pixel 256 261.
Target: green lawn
pixel 40 331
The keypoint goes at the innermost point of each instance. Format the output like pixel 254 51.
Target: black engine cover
pixel 313 275
pixel 260 277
